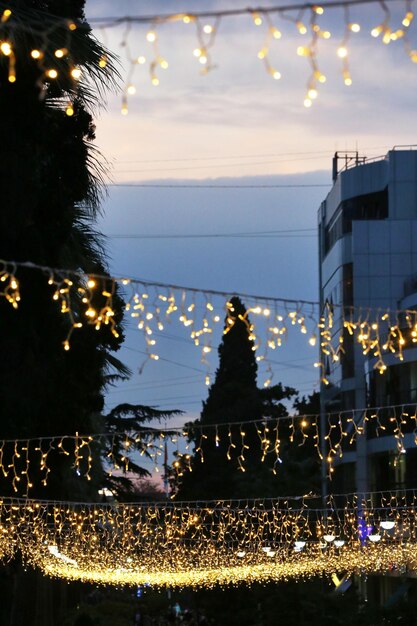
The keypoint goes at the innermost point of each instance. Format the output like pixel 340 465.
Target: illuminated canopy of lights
pixel 27 463
pixel 88 300
pixel 208 543
pixel 274 23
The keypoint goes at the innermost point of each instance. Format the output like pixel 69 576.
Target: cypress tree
pixel 232 464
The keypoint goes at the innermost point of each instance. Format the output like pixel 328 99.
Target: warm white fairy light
pixel 21 460
pixel 151 305
pixel 190 544
pixel 306 18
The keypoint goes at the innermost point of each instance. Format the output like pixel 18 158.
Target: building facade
pixel 368 259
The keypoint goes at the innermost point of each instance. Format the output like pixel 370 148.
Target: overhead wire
pixel 218 186
pixel 242 156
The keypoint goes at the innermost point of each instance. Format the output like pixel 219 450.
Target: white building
pixel 368 258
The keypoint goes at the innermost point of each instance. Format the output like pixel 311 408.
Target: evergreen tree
pixel 232 464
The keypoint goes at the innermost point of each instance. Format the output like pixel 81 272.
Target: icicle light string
pixel 206 23
pixel 26 463
pixel 202 544
pixel 152 306
pixel 47 42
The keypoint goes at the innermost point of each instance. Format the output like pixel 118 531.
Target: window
pixel 371 206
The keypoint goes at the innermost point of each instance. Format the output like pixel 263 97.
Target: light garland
pixel 25 463
pixel 208 543
pixel 152 306
pixel 49 47
pixel 304 17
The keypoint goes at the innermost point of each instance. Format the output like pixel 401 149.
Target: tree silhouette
pixel 233 398
pixel 52 184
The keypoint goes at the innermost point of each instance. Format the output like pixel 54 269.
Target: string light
pixel 46 33
pixel 151 305
pixel 304 16
pixel 25 463
pixel 212 542
pixel 263 16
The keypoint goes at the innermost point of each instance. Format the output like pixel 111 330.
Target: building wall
pixel 367 263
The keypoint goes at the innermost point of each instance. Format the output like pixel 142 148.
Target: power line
pixel 156 384
pixel 188 367
pixel 291 233
pixel 242 156
pixel 203 167
pixel 220 186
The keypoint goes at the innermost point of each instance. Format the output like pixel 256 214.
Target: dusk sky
pixel 236 126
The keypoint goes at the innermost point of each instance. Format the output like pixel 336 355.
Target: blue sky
pixel 235 126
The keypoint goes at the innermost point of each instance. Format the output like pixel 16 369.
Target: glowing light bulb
pixel 276 75
pixel 141 60
pixel 257 20
pixel 276 33
pixel 69 110
pixel 342 52
pixel 386 39
pixel 375 32
pixel 164 64
pixel 52 73
pixel 151 36
pixel 103 61
pixel 312 93
pixel 203 59
pixel 76 73
pixel 318 9
pixel 307 103
pixel 60 53
pixel 6 48
pixel 131 89
pixel 155 81
pixel 197 52
pixel 36 54
pixel 408 19
pixel 354 27
pixel 301 28
pixel 208 29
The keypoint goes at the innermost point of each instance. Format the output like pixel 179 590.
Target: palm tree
pixel 52 75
